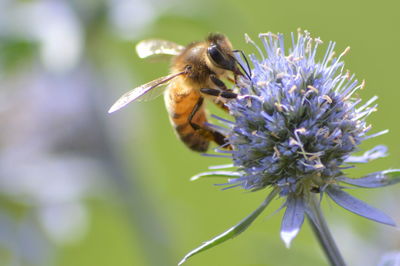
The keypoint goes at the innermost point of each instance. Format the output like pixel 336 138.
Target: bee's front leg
pixel 219 93
pixel 219 83
pixel 223 91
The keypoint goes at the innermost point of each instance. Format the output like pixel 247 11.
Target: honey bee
pixel 196 73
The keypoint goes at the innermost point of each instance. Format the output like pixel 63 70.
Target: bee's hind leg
pixel 208 133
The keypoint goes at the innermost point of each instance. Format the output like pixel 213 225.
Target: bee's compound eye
pixel 215 55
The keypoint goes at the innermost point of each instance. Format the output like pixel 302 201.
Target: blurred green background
pixel 81 187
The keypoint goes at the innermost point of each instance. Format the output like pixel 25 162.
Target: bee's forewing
pixel 144 92
pixel 157 47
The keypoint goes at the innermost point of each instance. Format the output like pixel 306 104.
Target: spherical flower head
pixel 296 123
pixel 296 120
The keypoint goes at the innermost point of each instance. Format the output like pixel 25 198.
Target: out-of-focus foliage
pixel 81 187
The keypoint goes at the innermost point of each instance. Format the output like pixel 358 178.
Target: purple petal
pixel 375 180
pixel 357 206
pixel 292 220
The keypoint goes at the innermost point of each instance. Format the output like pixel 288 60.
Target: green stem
pixel 324 236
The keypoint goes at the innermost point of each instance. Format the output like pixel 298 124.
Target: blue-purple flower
pixel 296 124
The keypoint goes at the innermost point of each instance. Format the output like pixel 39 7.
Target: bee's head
pixel 220 54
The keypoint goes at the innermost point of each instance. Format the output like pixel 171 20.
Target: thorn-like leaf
pixel 222 166
pixel 357 206
pixel 377 152
pixel 228 174
pixel 375 180
pixel 233 231
pixel 292 220
pixel 312 215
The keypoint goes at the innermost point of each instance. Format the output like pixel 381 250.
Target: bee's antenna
pixel 248 74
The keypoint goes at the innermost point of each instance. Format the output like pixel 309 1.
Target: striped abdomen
pixel 180 103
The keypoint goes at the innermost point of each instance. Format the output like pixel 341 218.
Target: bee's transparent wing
pixel 153 93
pixel 144 92
pixel 156 48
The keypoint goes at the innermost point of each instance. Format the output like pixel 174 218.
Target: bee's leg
pixel 231 80
pixel 219 93
pixel 220 84
pixel 206 132
pixel 223 92
pixel 193 112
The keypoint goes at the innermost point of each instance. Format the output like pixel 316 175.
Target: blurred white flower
pixel 53 24
pixel 131 17
pixel 66 224
pixel 50 145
